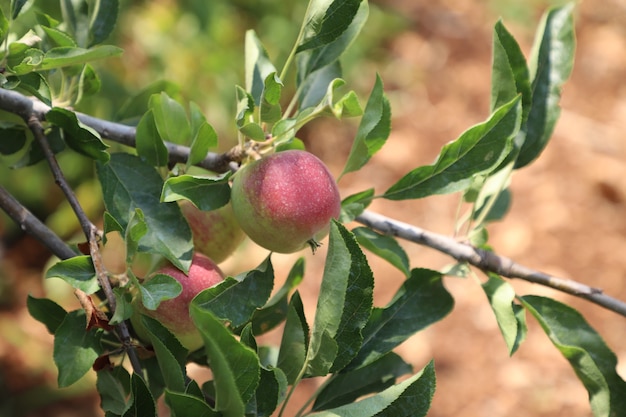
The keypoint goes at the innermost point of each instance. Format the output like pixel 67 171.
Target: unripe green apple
pixel 216 233
pixel 174 313
pixel 285 201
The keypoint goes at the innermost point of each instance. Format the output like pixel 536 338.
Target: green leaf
pixel 114 388
pixel 165 347
pixel 258 66
pixel 123 306
pixel 323 26
pixel 103 21
pixel 58 37
pixel 315 87
pixel 16 7
pixel 509 72
pixel 35 84
pixel 129 183
pixel 274 311
pixel 345 388
pixel 75 348
pixel 68 56
pixel 270 100
pixel 89 82
pixel 137 105
pixel 148 143
pixel 4 25
pixel 384 246
pixel 235 300
pixel 373 130
pixel 509 315
pixel 205 192
pixel 142 404
pixel 46 311
pixel 254 131
pixel 478 150
pixel 294 342
pixel 159 288
pixel 421 301
pixel 35 153
pixel 188 405
pixel 343 307
pixel 312 60
pixel 204 136
pixel 269 394
pixel 591 359
pixel 170 119
pixel 13 139
pixel 136 229
pixel 235 367
pixel 355 204
pixel 78 272
pixel 79 136
pixel 411 397
pixel 551 63
pixel 245 106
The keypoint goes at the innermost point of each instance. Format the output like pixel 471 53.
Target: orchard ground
pixel 567 217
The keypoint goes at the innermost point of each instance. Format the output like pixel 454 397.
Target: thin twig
pixel 487 261
pixel 89 229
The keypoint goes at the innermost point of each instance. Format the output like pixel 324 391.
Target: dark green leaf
pixel 169 352
pixel 75 348
pixel 236 300
pixel 204 136
pixel 78 136
pixel 35 153
pixel 114 389
pixel 35 84
pixel 235 367
pixel 78 272
pixel 103 21
pixel 314 59
pixel 274 311
pixel 411 397
pixel 343 307
pixel 509 72
pixel 270 101
pixel 384 246
pixel 550 65
pixel 89 83
pixel 258 67
pixel 294 343
pixel 129 183
pixel 207 193
pixel 142 404
pixel 170 119
pixel 373 130
pixel 345 388
pixel 315 87
pixel 501 296
pixel 123 306
pixel 324 26
pixel 149 144
pixel 354 204
pixel 592 360
pixel 67 56
pixel 421 301
pixel 46 311
pixel 16 7
pixel 159 288
pixel 13 139
pixel 270 392
pixel 187 405
pixel 477 151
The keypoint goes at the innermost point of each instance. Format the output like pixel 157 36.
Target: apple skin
pixel 174 313
pixel 285 201
pixel 216 233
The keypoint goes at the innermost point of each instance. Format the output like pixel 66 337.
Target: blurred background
pixel 567 217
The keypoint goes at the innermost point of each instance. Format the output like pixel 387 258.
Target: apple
pixel 285 201
pixel 174 313
pixel 216 233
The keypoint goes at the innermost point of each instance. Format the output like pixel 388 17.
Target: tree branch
pixel 487 261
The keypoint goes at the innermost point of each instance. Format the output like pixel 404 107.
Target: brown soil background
pixel 567 218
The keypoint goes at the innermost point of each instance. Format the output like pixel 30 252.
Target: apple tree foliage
pixel 350 341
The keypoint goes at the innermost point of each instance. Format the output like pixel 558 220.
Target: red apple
pixel 216 233
pixel 174 313
pixel 285 201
